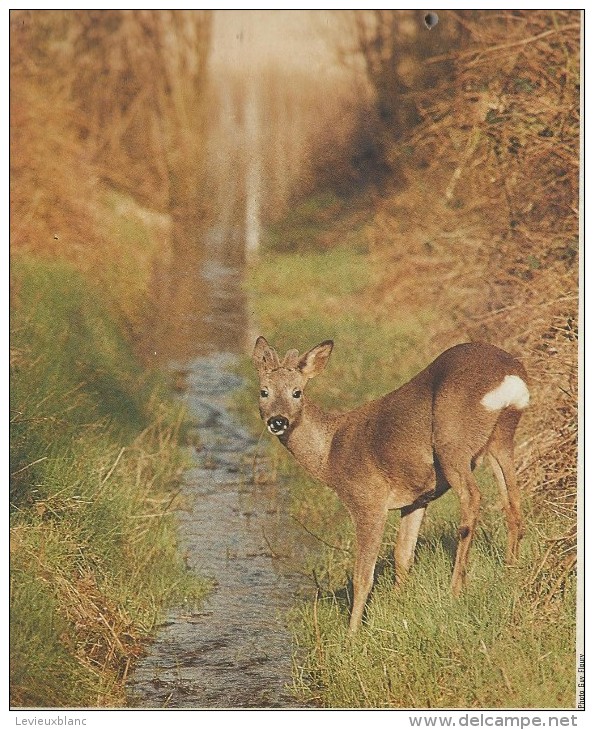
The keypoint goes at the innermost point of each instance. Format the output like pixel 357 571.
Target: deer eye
pixel 264 393
pixel 296 394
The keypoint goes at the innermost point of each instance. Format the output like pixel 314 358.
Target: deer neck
pixel 311 437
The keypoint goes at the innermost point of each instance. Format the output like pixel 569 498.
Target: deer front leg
pixel 369 530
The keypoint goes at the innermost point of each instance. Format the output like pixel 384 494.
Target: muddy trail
pixel 235 652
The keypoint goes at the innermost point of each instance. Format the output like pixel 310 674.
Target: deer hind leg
pixel 459 476
pixel 370 530
pixel 501 458
pixel 404 550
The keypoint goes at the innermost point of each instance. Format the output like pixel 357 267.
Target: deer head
pixel 282 382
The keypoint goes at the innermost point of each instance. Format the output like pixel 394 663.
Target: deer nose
pixel 277 425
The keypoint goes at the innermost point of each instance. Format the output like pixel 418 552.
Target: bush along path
pixel 94 462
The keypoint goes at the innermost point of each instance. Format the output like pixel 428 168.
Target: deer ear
pixel 314 361
pixel 291 359
pixel 264 357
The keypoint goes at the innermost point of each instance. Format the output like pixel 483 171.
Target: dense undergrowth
pixel 510 641
pixel 94 460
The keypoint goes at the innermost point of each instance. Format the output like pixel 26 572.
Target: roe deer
pixel 404 449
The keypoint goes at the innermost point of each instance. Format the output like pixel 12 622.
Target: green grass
pixel 315 222
pixel 93 457
pixel 496 646
pixel 510 640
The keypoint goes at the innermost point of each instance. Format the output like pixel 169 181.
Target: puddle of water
pixel 236 651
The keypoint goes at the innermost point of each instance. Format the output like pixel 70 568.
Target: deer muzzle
pixel 277 425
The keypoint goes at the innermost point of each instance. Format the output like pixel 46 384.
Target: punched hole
pixel 431 20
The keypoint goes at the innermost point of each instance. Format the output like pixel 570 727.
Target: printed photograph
pixel 295 347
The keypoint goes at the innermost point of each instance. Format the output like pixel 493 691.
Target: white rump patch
pixel 513 391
